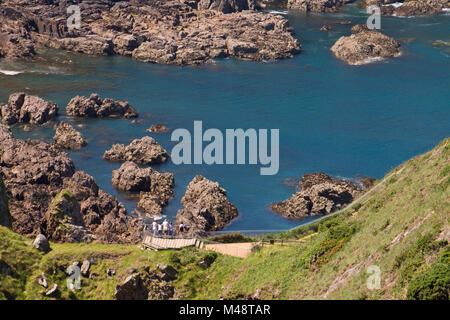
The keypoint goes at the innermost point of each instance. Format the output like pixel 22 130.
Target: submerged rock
pixel 67 137
pixel 364 47
pixel 205 207
pixel 142 151
pixel 95 107
pixel 320 194
pixel 24 108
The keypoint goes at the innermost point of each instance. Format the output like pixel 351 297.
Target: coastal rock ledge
pixel 320 194
pixel 365 46
pixel 205 207
pixel 67 137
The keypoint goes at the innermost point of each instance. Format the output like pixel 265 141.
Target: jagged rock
pixel 409 8
pixel 158 128
pixel 131 289
pixel 320 194
pixel 42 280
pixel 227 6
pixel 205 207
pixel 24 108
pixel 5 132
pixel 35 172
pixel 368 182
pixel 167 273
pixel 364 47
pixel 316 5
pixel 156 188
pixel 41 243
pixel 94 107
pixel 67 137
pixel 142 151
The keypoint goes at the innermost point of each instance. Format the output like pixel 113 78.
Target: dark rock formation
pixel 24 108
pixel 156 188
pixel 158 128
pixel 364 47
pixel 360 27
pixel 142 151
pixel 326 27
pixel 95 107
pixel 35 172
pixel 67 137
pixel 167 32
pixel 320 194
pixel 205 207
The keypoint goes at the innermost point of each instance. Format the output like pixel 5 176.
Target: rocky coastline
pixel 166 32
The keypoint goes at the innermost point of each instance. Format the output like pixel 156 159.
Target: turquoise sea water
pixel 343 120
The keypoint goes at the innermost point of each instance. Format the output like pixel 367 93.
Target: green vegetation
pixel 401 227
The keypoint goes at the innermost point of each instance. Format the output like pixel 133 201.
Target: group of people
pixel 166 228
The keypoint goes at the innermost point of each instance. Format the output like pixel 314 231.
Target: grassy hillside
pixel 401 228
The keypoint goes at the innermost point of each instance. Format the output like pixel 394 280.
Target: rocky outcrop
pixel 360 27
pixel 227 6
pixel 95 107
pixel 147 284
pixel 35 172
pixel 317 5
pixel 205 207
pixel 158 128
pixel 67 137
pixel 364 47
pixel 142 151
pixel 24 108
pixel 156 189
pixel 408 8
pixel 320 194
pixel 166 32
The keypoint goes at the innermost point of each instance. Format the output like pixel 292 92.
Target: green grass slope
pixel 400 229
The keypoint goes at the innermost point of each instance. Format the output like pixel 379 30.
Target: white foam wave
pixel 10 72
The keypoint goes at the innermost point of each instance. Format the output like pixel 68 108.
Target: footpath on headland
pixel 241 249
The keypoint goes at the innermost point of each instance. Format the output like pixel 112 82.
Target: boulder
pixel 364 47
pixel 24 108
pixel 5 216
pixel 53 291
pixel 67 137
pixel 132 288
pixel 205 207
pixel 316 5
pixel 41 243
pixel 142 151
pixel 85 268
pixel 320 194
pixel 94 107
pixel 227 6
pixel 42 280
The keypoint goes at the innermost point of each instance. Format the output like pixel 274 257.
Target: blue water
pixel 340 119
